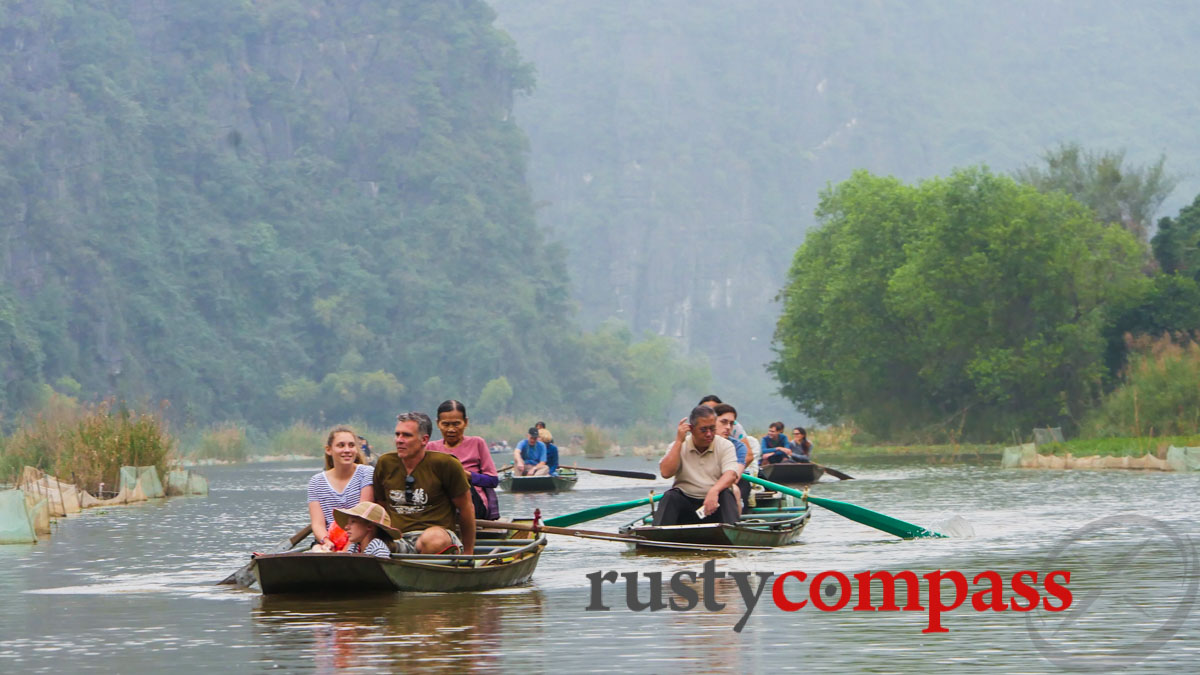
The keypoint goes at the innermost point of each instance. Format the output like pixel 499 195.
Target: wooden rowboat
pixel 565 480
pixel 777 525
pixel 793 473
pixel 500 563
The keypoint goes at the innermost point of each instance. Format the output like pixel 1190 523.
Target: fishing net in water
pixel 16 527
pixel 62 499
pixel 1183 459
pixel 184 483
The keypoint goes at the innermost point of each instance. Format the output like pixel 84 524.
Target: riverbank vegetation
pixel 87 444
pixel 978 306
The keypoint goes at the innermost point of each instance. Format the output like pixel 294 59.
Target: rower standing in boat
pixel 529 459
pixel 422 491
pixel 704 466
pixel 473 452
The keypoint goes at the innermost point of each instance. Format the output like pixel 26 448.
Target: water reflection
pixel 452 632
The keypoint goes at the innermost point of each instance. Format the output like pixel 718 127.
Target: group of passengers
pixel 710 454
pixel 412 500
pixel 536 455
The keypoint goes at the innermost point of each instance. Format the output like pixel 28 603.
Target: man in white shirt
pixel 704 466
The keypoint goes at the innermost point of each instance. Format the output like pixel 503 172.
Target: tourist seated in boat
pixel 547 438
pixel 473 453
pixel 426 494
pixel 369 528
pixel 739 432
pixel 529 459
pixel 775 447
pixel 346 481
pixel 726 418
pixel 800 445
pixel 704 466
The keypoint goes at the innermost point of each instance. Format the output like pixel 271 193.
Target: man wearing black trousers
pixel 704 466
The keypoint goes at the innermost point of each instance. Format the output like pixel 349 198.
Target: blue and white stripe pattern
pixel 320 491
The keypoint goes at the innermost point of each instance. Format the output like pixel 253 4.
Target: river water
pixel 131 589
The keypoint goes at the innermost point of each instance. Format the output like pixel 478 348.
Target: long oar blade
pixel 597 512
pixel 837 474
pixel 244 576
pixel 618 472
pixel 858 514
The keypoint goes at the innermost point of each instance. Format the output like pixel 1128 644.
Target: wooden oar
pixel 879 521
pixel 608 536
pixel 597 512
pixel 616 472
pixel 836 474
pixel 244 577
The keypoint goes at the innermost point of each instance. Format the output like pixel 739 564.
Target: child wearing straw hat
pixel 369 528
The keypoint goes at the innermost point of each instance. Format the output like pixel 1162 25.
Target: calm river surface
pixel 132 589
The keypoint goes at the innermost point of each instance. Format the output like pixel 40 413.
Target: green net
pixel 197 485
pixel 1183 459
pixel 15 525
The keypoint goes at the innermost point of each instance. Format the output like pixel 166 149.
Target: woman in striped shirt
pixel 345 482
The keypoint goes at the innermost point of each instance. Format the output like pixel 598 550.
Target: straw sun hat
pixel 370 512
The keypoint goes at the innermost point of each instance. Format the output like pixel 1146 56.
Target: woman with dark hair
pixel 800 445
pixel 473 453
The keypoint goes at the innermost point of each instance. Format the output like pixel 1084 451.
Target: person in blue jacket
pixel 551 450
pixel 529 459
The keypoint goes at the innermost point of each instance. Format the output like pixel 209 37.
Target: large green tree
pixel 969 305
pixel 1176 245
pixel 1116 191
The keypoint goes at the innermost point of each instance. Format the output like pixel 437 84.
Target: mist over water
pixel 134 588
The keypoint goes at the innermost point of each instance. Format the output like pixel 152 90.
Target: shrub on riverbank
pixel 224 443
pixel 1160 394
pixel 1119 446
pixel 87 444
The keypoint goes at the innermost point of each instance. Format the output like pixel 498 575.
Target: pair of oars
pixel 859 514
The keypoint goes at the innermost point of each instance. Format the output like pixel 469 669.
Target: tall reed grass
pixel 224 443
pixel 87 444
pixel 1159 394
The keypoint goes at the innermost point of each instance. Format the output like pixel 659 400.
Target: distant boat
pixel 793 473
pixel 565 480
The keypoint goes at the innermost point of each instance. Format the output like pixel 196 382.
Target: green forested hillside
pixel 687 141
pixel 284 209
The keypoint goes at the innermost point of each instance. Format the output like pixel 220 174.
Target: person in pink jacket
pixel 473 452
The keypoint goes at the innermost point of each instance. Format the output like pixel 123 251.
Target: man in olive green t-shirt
pixel 421 491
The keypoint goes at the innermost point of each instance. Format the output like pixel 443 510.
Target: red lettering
pixel 1025 591
pixel 818 585
pixel 996 590
pixel 888 581
pixel 936 607
pixel 1060 592
pixel 780 599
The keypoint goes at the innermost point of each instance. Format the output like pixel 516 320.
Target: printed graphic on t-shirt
pixel 401 505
